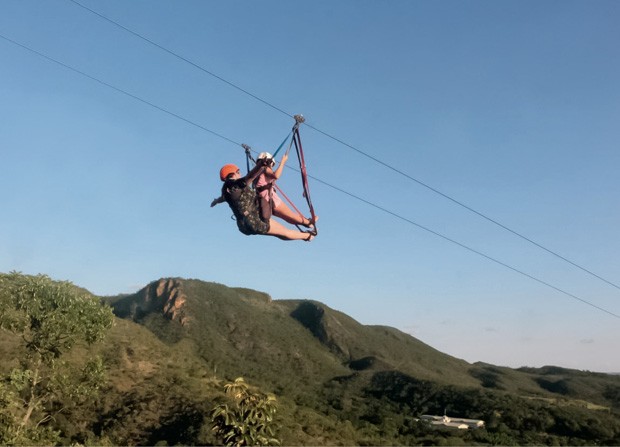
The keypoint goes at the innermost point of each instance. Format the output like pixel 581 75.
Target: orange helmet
pixel 227 170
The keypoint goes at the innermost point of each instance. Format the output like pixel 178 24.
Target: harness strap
pixel 282 144
pixel 302 168
pixel 290 202
pixel 248 155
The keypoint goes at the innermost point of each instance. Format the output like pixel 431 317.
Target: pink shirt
pixel 262 181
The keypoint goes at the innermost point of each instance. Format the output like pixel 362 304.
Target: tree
pixel 51 318
pixel 249 419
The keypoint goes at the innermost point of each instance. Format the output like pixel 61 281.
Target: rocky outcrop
pixel 164 296
pixel 173 299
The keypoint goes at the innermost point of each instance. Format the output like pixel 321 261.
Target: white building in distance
pixel 458 423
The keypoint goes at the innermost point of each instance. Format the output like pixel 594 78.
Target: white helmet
pixel 267 158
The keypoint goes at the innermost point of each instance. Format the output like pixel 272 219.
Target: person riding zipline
pixel 269 201
pixel 243 202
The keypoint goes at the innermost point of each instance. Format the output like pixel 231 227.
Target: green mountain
pixel 338 382
pixel 282 344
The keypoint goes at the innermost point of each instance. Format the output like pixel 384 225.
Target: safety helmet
pixel 266 157
pixel 227 170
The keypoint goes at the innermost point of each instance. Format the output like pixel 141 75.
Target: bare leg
pixel 280 231
pixel 284 212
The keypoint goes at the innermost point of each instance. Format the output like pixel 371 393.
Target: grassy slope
pixel 377 347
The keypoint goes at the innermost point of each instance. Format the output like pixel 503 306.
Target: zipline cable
pixel 359 151
pixel 383 209
pixel 466 247
pixel 178 56
pixel 124 92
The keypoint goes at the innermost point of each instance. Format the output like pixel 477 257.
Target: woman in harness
pixel 270 202
pixel 243 202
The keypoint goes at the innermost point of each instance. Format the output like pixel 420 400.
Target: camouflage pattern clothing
pixel 243 202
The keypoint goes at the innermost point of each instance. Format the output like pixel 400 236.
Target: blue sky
pixel 511 108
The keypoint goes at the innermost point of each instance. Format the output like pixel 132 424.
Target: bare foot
pixel 310 222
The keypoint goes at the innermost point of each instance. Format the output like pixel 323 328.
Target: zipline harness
pixel 296 140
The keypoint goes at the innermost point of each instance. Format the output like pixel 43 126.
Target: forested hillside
pixel 159 367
